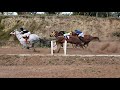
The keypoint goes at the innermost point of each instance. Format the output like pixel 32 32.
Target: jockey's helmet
pixel 21 29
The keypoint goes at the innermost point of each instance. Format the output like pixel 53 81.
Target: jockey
pixel 80 34
pixel 25 32
pixel 67 35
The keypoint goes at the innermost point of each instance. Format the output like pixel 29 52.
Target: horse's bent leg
pixel 85 45
pixel 33 47
pixel 82 45
pixel 58 48
pixel 74 46
pixel 22 47
pixel 27 47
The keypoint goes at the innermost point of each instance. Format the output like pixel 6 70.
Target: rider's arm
pixel 21 32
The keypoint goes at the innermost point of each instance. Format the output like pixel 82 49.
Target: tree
pixel 50 12
pixel 23 13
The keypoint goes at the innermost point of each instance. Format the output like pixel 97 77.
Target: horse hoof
pixel 53 51
pixel 28 48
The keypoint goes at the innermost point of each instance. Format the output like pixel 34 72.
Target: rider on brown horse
pixel 60 39
pixel 77 31
pixel 67 35
pixel 84 38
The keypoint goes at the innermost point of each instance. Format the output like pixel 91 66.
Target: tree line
pixel 96 14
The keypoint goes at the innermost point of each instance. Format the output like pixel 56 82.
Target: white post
pixel 65 47
pixel 51 47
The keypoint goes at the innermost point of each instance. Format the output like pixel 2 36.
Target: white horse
pixel 29 43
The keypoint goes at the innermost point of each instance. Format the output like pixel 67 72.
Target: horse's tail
pixel 96 38
pixel 41 42
pixel 44 42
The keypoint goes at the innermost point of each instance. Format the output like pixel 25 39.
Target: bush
pixel 117 34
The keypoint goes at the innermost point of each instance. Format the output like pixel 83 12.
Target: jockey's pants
pixel 81 34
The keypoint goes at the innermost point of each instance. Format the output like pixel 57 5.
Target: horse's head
pixel 54 34
pixel 61 33
pixel 13 32
pixel 74 34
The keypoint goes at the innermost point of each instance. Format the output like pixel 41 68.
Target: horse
pixel 56 33
pixel 60 39
pixel 86 39
pixel 27 42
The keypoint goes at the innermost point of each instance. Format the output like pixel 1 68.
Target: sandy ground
pixel 61 71
pixel 61 66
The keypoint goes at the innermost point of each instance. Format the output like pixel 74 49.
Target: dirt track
pixel 61 66
pixel 60 71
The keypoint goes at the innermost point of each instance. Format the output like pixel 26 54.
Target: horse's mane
pixel 59 33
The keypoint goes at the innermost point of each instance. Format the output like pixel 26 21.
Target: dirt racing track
pixel 99 60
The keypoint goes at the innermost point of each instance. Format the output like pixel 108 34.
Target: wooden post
pixel 65 47
pixel 51 47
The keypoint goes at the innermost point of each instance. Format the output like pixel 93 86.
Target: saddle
pixel 81 38
pixel 66 37
pixel 26 38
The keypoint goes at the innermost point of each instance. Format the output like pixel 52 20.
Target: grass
pixel 5 36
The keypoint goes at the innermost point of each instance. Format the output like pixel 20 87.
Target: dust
pixel 104 47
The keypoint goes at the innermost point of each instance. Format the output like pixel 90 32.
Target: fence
pixel 54 47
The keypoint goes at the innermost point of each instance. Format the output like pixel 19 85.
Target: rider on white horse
pixel 33 38
pixel 25 32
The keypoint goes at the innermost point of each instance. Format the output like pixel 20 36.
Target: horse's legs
pixel 86 44
pixel 82 45
pixel 22 47
pixel 74 46
pixel 59 48
pixel 34 50
pixel 27 47
pixel 33 47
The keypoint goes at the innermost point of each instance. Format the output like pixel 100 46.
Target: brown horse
pixel 56 33
pixel 72 40
pixel 86 39
pixel 60 39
